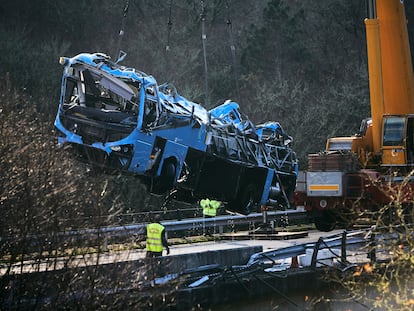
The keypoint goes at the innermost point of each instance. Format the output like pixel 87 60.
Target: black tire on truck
pixel 324 220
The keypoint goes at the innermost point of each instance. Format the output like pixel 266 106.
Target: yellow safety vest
pixel 209 207
pixel 154 240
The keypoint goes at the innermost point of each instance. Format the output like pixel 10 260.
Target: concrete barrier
pixel 182 262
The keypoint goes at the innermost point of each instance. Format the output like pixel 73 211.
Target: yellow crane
pixel 386 139
pixel 342 178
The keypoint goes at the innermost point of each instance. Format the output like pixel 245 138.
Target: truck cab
pixel 397 143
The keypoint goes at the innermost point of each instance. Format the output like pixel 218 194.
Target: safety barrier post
pixel 343 246
pixel 315 253
pixel 372 252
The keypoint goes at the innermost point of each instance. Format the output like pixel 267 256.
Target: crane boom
pixel 389 64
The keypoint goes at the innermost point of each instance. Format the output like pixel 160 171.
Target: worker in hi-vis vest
pixel 156 238
pixel 210 208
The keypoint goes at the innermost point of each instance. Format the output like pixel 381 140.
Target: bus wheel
pixel 165 181
pixel 248 199
pixel 246 202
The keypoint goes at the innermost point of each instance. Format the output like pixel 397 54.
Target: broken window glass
pixel 101 93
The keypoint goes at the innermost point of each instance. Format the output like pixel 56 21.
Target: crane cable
pixel 120 53
pixel 204 39
pixel 169 25
pixel 233 51
pixel 371 9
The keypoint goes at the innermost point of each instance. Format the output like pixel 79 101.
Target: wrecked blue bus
pixel 119 119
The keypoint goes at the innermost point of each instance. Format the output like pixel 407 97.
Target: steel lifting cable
pixel 233 51
pixel 371 9
pixel 204 39
pixel 169 25
pixel 122 31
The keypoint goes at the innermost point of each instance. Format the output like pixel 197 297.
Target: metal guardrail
pixel 138 217
pixel 367 242
pixel 229 220
pixel 191 225
pixel 342 241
